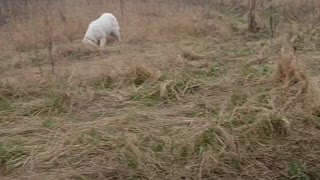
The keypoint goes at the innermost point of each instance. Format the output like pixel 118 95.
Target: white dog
pixel 100 29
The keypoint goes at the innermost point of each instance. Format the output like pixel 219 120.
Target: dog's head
pixel 89 41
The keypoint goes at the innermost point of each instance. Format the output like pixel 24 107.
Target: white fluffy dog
pixel 100 29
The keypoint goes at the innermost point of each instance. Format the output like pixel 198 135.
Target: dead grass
pixel 74 51
pixel 183 97
pixel 295 88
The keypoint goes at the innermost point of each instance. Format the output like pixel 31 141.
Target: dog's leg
pixel 103 41
pixel 116 33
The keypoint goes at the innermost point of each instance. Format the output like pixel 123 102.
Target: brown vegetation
pixel 191 93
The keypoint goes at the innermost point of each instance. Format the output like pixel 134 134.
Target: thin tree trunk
pixel 271 20
pixel 11 33
pixel 48 34
pixel 252 16
pixel 122 9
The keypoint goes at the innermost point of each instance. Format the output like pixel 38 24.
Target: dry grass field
pixel 189 94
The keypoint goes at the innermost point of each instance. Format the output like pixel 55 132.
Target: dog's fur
pixel 100 29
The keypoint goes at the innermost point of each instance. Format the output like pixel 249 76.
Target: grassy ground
pixel 180 98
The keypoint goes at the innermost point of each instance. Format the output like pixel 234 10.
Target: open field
pixel 189 94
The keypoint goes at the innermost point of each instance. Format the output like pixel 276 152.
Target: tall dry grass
pixel 294 88
pixel 69 19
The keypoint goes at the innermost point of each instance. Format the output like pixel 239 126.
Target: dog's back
pixel 104 26
pixel 106 22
